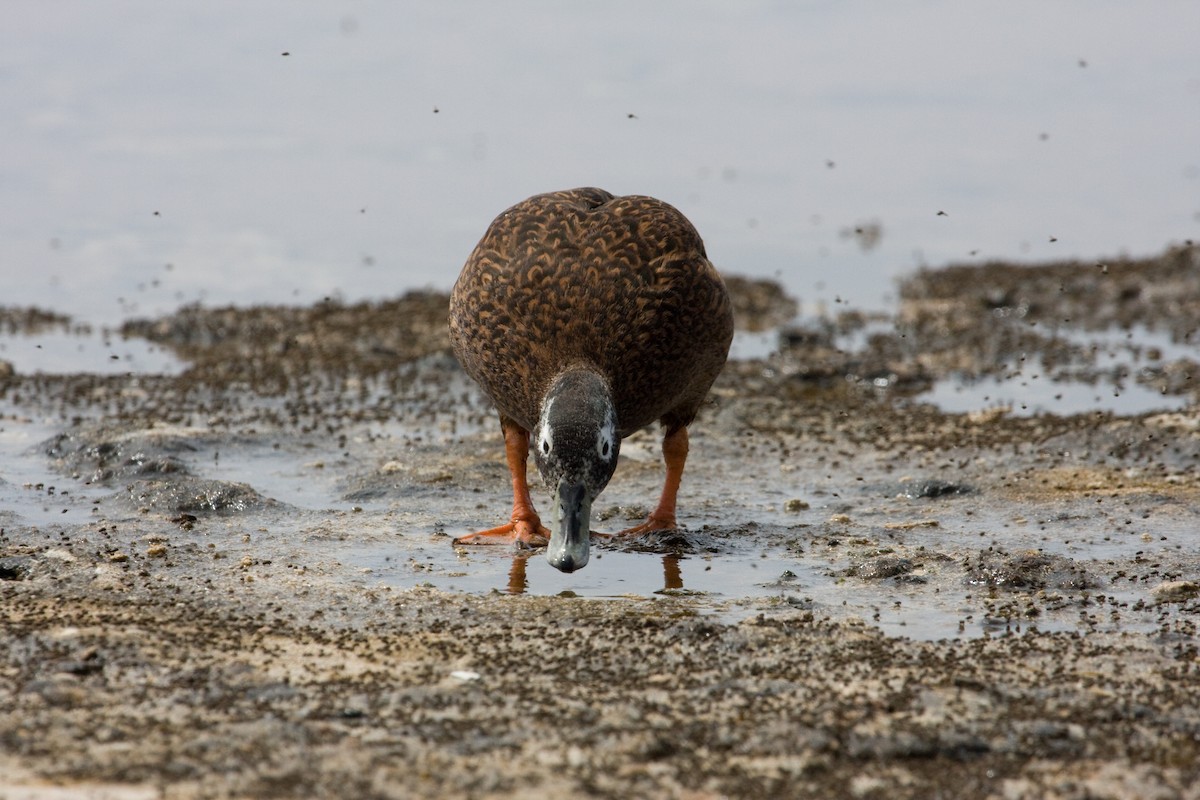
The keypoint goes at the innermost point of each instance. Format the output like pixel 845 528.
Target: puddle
pixel 938 600
pixel 86 351
pixel 29 489
pixel 610 573
pixel 1025 395
pixel 1025 389
pixel 1120 371
pixel 1137 343
pixel 300 477
pixel 1124 351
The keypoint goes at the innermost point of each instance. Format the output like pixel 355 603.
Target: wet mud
pixel 235 579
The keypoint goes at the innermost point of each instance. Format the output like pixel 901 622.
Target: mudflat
pixel 235 578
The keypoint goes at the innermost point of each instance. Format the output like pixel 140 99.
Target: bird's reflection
pixel 672 575
pixel 518 580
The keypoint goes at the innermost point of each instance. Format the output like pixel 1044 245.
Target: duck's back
pixel 581 276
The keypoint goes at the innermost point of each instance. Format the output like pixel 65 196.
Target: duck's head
pixel 575 447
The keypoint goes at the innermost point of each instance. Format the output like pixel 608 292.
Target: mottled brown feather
pixel 621 284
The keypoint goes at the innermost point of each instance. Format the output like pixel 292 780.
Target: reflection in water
pixel 517 582
pixel 518 579
pixel 672 576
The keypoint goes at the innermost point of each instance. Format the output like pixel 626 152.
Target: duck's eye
pixel 603 446
pixel 546 446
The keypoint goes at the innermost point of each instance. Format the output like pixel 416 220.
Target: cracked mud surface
pixel 237 581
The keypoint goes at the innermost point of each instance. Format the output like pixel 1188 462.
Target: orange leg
pixel 662 518
pixel 526 526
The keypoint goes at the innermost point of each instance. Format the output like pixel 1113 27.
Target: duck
pixel 586 317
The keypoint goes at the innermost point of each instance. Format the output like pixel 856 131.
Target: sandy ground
pixel 237 581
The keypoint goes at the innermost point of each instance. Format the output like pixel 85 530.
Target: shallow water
pixel 91 351
pixel 327 467
pixel 610 573
pixel 744 578
pixel 1025 390
pixel 1024 396
pixel 281 152
pixel 787 561
pixel 30 489
pixel 792 560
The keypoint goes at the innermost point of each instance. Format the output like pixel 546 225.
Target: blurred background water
pixel 155 154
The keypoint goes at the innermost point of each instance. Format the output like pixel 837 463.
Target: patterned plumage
pixel 578 283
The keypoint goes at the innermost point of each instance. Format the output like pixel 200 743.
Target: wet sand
pixel 237 581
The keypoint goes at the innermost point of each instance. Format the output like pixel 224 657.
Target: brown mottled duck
pixel 586 317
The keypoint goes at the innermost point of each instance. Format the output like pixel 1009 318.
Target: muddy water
pixel 252 544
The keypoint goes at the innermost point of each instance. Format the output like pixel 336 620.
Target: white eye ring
pixel 604 445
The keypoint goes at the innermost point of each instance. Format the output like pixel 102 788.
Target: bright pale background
pixel 774 126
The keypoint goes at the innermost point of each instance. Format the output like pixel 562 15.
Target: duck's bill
pixel 569 538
